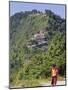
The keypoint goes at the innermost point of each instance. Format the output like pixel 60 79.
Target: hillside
pixel 35 63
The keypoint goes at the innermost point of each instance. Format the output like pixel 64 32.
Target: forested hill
pixel 34 63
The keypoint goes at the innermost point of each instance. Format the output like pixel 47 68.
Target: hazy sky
pixel 21 6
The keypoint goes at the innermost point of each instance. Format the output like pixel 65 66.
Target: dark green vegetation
pixel 28 65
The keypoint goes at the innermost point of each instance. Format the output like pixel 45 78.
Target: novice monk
pixel 54 72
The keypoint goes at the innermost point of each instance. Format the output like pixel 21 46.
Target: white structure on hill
pixel 38 40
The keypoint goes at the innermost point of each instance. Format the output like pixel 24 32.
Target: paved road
pixel 49 83
pixel 45 84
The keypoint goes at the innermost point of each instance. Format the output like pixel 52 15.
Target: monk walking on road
pixel 54 72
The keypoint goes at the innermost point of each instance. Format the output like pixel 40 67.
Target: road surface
pixel 49 83
pixel 44 84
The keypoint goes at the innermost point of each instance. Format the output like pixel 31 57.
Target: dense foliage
pixel 31 64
